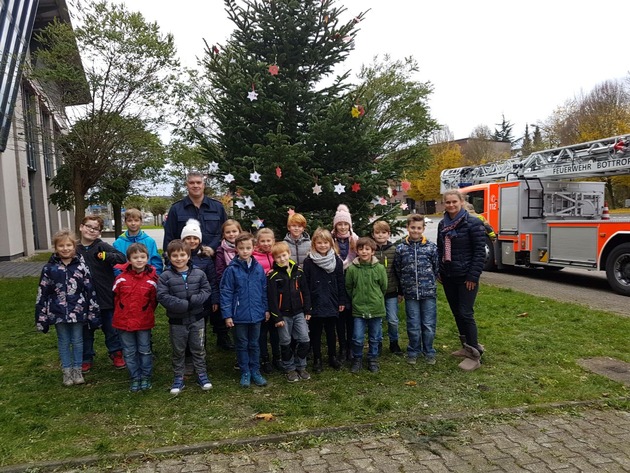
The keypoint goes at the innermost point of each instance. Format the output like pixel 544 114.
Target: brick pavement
pixel 19 269
pixel 589 440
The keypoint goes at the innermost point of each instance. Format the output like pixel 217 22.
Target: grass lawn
pixel 530 360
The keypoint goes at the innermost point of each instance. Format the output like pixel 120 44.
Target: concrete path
pixel 19 269
pixel 588 440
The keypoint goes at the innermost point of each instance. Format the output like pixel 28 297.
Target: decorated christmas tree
pixel 286 133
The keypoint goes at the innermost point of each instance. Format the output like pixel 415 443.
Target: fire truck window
pixel 476 199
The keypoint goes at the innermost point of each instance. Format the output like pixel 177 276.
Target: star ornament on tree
pixel 340 188
pixel 254 177
pixel 278 172
pixel 213 166
pixel 257 223
pixel 405 185
pixel 355 112
pixel 383 201
pixel 252 95
pixel 274 69
pixel 356 187
pixel 404 206
pixel 249 203
pixel 317 189
pixel 228 178
pixel 240 204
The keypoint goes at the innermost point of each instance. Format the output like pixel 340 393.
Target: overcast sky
pixel 484 58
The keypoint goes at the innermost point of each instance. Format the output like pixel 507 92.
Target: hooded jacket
pixel 65 294
pixel 287 292
pixel 135 299
pixel 299 248
pixel 102 270
pixel 243 291
pixel 124 240
pixel 366 284
pixel 416 265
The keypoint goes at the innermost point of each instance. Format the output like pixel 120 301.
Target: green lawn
pixel 529 360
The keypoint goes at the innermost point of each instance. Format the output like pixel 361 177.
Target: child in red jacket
pixel 135 299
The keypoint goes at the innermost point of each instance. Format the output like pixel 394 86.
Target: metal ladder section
pixel 535 199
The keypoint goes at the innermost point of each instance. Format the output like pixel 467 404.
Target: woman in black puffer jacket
pixel 461 249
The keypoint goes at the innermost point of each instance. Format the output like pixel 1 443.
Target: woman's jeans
pixel 462 301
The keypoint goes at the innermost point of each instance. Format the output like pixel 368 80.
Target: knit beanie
pixel 192 228
pixel 342 215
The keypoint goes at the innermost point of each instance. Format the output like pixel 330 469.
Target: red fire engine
pixel 542 218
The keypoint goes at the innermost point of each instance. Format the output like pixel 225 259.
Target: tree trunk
pixel 79 202
pixel 116 210
pixel 611 193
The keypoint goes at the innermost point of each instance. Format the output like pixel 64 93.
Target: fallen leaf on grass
pixel 410 383
pixel 265 417
pixel 524 314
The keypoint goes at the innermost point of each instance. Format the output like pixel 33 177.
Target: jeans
pixel 137 353
pixel 391 314
pixel 294 328
pixel 191 335
pixel 70 344
pixel 327 324
pixel 421 323
pixel 375 336
pixel 268 329
pixel 461 302
pixel 112 340
pixel 246 337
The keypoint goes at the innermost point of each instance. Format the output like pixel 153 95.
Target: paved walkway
pixel 19 269
pixel 588 440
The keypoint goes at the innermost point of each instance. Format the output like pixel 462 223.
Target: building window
pixel 30 129
pixel 47 148
pixel 16 24
pixel 58 154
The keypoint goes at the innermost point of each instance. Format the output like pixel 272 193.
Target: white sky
pixel 484 58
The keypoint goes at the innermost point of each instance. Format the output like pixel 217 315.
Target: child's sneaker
pixel 77 377
pixel 178 385
pixel 145 384
pixel 411 360
pixel 356 365
pixel 204 382
pixel 293 376
pixel 67 376
pixel 245 381
pixel 430 360
pixel 258 379
pixel 86 366
pixel 118 360
pixel 303 374
pixel 373 366
pixel 135 386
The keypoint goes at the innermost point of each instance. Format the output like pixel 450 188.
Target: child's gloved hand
pixel 100 255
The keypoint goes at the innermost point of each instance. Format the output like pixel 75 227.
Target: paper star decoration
pixel 339 188
pixel 240 204
pixel 257 223
pixel 375 201
pixel 405 185
pixel 254 177
pixel 252 95
pixel 356 187
pixel 278 172
pixel 383 201
pixel 355 112
pixel 228 178
pixel 373 172
pixel 404 206
pixel 373 218
pixel 317 189
pixel 273 70
pixel 249 203
pixel 213 167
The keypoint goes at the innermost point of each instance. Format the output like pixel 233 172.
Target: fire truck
pixel 543 217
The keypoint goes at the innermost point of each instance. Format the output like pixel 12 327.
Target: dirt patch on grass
pixel 612 368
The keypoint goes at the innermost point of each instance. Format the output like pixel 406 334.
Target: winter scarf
pixel 448 231
pixel 229 251
pixel 328 262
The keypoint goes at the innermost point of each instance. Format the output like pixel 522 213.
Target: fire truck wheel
pixel 618 269
pixel 489 264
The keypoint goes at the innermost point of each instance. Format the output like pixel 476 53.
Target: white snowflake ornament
pixel 249 203
pixel 254 177
pixel 228 178
pixel 213 166
pixel 317 189
pixel 340 188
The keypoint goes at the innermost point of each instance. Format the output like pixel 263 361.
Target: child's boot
pixel 334 363
pixel 77 376
pixel 145 384
pixel 134 387
pixel 265 365
pixel 245 379
pixel 67 376
pixel 317 365
pixel 373 365
pixel 356 365
pixel 394 348
pixel 277 364
pixel 461 353
pixel 472 360
pixel 258 379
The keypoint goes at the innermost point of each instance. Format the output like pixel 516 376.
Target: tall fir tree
pixel 283 126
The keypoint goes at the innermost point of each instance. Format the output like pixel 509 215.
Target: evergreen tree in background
pixel 505 132
pixel 279 117
pixel 526 145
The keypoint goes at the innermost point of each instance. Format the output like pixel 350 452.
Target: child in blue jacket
pixel 244 306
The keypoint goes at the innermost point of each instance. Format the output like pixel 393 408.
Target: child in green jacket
pixel 366 283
